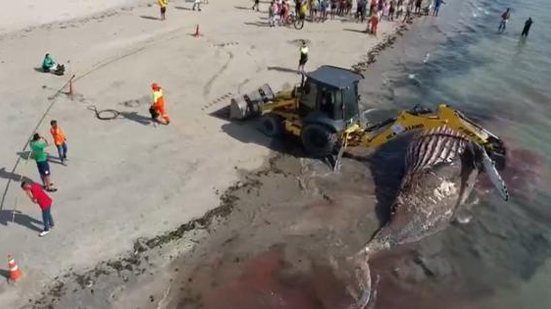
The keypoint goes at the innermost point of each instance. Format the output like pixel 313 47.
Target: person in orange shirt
pixel 59 140
pixel 157 109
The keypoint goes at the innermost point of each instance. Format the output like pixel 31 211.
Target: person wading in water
pixel 527 26
pixel 504 19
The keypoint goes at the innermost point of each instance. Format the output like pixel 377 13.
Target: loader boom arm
pixel 410 120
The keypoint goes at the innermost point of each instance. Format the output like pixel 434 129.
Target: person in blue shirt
pixel 437 4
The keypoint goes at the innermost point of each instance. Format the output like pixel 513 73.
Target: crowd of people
pixel 373 11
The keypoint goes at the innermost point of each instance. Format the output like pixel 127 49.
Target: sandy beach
pixel 128 179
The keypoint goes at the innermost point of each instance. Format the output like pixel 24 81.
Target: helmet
pixel 155 86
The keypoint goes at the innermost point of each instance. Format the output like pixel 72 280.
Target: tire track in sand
pixel 208 85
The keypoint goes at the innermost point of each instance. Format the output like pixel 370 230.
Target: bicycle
pixel 295 20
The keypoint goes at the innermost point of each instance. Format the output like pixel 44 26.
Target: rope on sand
pixel 106 114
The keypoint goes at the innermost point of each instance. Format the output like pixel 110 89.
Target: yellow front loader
pixel 323 112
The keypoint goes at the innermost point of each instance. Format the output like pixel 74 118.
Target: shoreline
pixel 128 262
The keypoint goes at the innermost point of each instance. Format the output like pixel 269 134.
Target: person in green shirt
pixel 49 65
pixel 38 153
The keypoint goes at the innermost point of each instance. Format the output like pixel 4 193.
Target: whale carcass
pixel 442 167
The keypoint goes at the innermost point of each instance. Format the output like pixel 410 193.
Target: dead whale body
pixel 442 167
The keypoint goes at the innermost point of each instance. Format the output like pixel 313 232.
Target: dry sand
pixel 30 13
pixel 126 178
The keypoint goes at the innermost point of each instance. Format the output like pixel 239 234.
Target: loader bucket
pixel 249 105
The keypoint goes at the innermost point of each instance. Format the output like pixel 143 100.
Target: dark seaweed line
pixel 386 43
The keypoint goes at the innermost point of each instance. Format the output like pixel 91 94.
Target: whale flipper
pixel 495 177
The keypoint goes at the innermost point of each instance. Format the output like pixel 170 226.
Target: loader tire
pixel 272 125
pixel 318 141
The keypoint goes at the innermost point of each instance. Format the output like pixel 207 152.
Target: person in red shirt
pixel 373 22
pixel 38 196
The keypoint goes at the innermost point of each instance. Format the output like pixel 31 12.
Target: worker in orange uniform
pixel 157 109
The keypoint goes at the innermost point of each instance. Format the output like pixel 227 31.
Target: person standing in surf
pixel 504 19
pixel 437 4
pixel 527 26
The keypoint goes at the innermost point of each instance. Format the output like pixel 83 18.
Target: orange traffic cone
pixel 197 34
pixel 15 272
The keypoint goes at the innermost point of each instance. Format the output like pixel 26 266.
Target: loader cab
pixel 330 95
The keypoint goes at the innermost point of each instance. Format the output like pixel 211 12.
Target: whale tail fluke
pixel 360 287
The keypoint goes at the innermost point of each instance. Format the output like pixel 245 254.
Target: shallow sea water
pixel 500 259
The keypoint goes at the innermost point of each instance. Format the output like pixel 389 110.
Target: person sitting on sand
pixel 49 65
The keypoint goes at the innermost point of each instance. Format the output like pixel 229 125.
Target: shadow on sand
pixel 258 24
pixel 25 155
pixel 5 273
pixel 12 176
pixel 182 8
pixel 27 221
pixel 249 131
pixel 282 69
pixel 387 166
pixel 243 8
pixel 134 116
pixel 149 17
pixel 355 30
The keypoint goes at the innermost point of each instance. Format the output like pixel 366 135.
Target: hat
pixel 155 86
